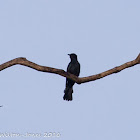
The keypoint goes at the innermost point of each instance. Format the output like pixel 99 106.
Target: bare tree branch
pixel 25 62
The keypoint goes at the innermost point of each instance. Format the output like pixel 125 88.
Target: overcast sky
pixel 104 34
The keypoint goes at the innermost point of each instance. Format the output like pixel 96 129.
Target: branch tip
pixel 138 58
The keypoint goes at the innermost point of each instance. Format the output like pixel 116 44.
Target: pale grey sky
pixel 103 34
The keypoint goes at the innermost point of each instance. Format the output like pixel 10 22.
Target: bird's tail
pixel 68 93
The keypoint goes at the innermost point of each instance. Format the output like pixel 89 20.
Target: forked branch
pixel 25 62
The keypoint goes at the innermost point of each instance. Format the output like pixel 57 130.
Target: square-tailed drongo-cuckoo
pixel 73 68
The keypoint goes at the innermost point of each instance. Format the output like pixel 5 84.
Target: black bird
pixel 73 68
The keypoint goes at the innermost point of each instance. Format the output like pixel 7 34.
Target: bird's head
pixel 73 56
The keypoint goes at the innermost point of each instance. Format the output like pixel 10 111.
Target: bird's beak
pixel 68 54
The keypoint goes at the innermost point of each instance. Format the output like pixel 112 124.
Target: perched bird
pixel 73 68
